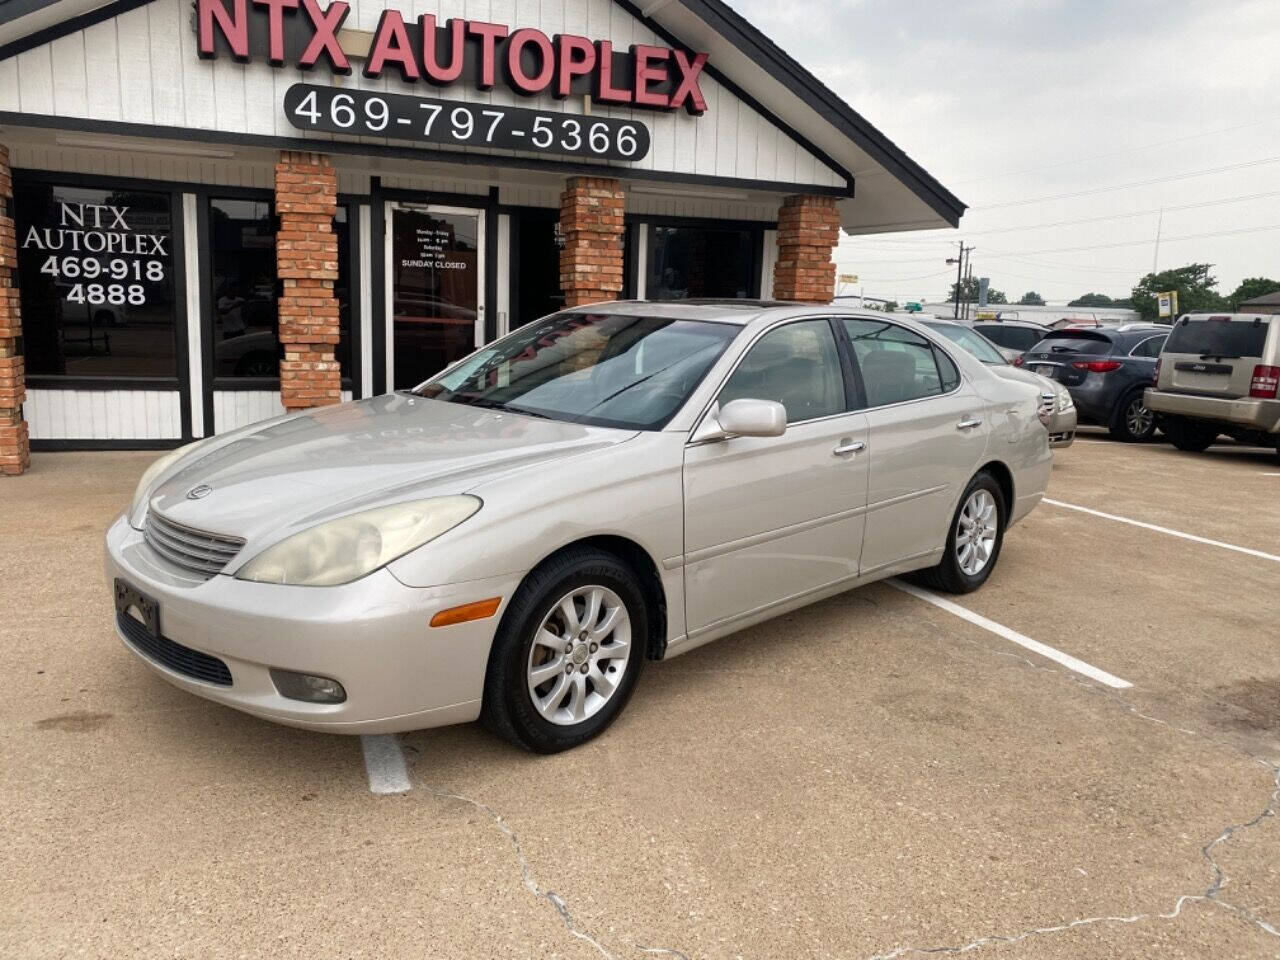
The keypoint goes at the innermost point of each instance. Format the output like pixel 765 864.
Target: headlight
pixel 138 507
pixel 1064 399
pixel 351 547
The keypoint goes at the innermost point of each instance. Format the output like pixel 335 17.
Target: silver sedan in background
pixel 515 537
pixel 1059 410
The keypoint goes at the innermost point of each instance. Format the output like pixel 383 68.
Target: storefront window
pixel 242 241
pixel 242 235
pixel 96 276
pixel 691 262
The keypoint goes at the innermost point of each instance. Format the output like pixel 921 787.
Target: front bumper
pixel 372 636
pixel 1263 415
pixel 1062 428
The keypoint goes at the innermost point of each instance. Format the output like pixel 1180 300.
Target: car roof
pixel 738 312
pixel 1012 323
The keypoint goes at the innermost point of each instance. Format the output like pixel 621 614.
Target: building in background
pixel 1047 314
pixel 220 210
pixel 1267 304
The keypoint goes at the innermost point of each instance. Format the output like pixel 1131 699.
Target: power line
pixel 1128 186
pixel 1137 243
pixel 1119 153
pixel 1125 216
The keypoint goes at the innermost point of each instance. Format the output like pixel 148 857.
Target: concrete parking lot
pixel 875 776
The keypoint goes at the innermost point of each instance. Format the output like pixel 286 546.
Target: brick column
pixel 591 219
pixel 307 265
pixel 15 448
pixel 808 231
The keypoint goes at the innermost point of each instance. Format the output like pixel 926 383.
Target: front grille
pixel 195 550
pixel 169 653
pixel 1048 405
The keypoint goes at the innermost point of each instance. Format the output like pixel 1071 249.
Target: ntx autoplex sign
pixel 301 32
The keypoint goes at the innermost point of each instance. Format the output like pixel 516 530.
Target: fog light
pixel 306 687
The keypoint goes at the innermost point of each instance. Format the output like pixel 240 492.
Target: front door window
pixel 436 275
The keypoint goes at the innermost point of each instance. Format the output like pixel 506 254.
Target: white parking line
pixel 1000 630
pixel 1247 551
pixel 384 763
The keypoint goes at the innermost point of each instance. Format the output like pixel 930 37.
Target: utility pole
pixel 1155 260
pixel 960 266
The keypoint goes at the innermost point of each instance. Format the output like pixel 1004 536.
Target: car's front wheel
pixel 568 652
pixel 973 544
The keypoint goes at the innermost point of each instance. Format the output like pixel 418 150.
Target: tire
pixel 950 575
pixel 1189 435
pixel 1132 422
pixel 543 716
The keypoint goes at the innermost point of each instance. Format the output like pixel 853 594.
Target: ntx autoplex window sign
pixel 97 280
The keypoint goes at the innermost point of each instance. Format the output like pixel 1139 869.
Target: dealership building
pixel 214 212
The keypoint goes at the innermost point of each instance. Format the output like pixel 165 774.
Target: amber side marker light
pixel 480 610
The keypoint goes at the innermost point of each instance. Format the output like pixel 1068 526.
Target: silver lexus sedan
pixel 515 537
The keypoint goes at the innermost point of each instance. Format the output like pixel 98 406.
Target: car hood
pixel 296 471
pixel 1020 375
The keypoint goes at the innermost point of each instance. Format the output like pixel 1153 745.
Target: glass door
pixel 435 289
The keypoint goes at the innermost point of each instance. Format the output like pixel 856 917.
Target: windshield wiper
pixel 487 404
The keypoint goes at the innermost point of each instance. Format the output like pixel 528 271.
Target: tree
pixel 969 292
pixel 1195 286
pixel 1031 299
pixel 1092 300
pixel 1253 287
pixel 890 306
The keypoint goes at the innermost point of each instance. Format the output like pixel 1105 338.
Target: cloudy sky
pixel 1007 101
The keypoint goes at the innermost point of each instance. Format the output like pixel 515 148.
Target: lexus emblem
pixel 199 491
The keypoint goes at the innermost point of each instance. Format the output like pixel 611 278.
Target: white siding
pixel 103 414
pixel 239 408
pixel 141 67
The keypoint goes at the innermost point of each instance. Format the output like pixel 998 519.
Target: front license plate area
pixel 129 597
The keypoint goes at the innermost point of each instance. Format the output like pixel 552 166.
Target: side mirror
pixel 744 418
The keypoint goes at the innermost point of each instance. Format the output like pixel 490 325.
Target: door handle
pixel 969 423
pixel 857 446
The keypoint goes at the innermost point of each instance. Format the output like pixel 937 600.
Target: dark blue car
pixel 1105 369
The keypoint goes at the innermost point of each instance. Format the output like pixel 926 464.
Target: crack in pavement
pixel 531 884
pixel 1220 879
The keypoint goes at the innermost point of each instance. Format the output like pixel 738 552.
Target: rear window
pixel 1073 341
pixel 1218 338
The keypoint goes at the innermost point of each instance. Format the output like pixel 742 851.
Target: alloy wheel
pixel 1138 418
pixel 976 531
pixel 579 655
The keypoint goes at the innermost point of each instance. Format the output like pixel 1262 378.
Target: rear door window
pixel 1149 348
pixel 896 364
pixel 1218 337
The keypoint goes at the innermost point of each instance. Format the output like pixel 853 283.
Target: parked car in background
pixel 512 539
pixel 1055 399
pixel 1013 337
pixel 1219 373
pixel 1107 370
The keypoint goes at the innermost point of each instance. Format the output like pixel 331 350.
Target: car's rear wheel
pixel 1132 421
pixel 973 544
pixel 568 652
pixel 1189 435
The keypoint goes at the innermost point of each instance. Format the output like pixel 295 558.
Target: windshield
pixel 1218 337
pixel 601 369
pixel 971 340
